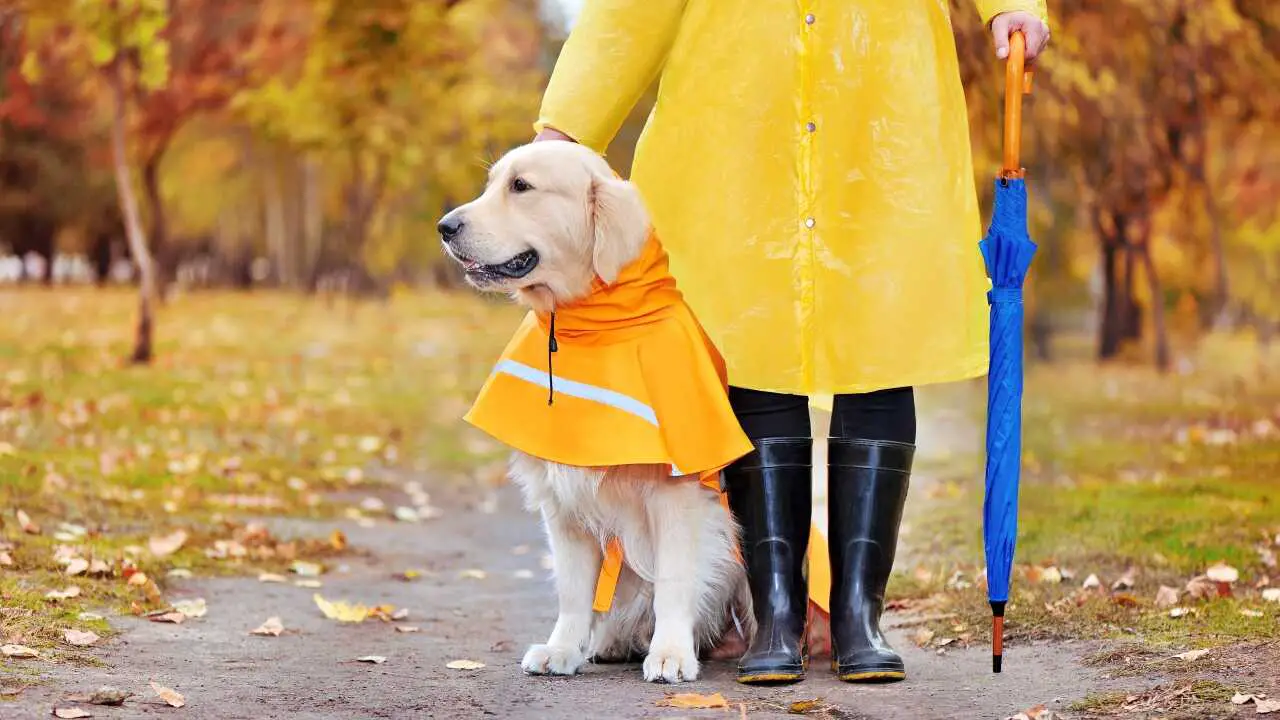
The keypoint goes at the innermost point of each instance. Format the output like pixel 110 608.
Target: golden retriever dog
pixel 552 218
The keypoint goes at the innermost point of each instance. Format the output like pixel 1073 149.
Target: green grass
pixel 257 404
pixel 1123 468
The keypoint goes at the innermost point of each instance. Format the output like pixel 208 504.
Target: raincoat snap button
pixel 810 126
pixel 809 19
pixel 810 222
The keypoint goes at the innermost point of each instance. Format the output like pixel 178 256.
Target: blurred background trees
pixel 311 144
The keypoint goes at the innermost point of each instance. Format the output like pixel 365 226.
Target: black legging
pixel 879 415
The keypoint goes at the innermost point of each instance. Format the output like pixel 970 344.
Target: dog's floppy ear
pixel 620 225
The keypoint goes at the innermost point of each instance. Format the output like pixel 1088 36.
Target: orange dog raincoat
pixel 624 376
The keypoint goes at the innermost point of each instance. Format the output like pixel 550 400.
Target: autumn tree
pixel 119 44
pixel 216 48
pixel 403 101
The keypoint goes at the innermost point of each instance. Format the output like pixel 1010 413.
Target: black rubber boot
pixel 771 494
pixel 866 487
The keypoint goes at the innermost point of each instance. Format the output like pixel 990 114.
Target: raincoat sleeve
pixel 991 8
pixel 613 53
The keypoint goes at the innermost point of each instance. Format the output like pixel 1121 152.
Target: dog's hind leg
pixel 576 558
pixel 675 523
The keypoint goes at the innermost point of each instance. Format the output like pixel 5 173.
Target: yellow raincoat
pixel 808 167
pixel 625 376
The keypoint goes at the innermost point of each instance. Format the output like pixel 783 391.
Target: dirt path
pixel 311 671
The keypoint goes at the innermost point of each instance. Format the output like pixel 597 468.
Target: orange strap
pixel 607 583
pixel 611 566
pixel 1017 82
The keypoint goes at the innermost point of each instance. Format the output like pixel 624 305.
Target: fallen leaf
pixel 80 638
pixel 1125 600
pixel 473 574
pixel 408 628
pixel 1192 655
pixel 306 569
pixel 99 567
pixel 340 610
pixel 77 566
pixel 1051 574
pixel 194 608
pixel 270 627
pixel 56 595
pixel 272 578
pixel 1222 572
pixel 400 614
pixel 1125 581
pixel 1201 587
pixel 1091 582
pixel 694 701
pixel 1179 612
pixel 18 651
pixel 922 637
pixel 166 545
pixel 178 573
pixel 337 540
pixel 170 696
pixel 1036 712
pixel 804 707
pixel 5 559
pixel 406 514
pixel 1241 699
pixel 107 695
pixel 375 659
pixel 464 665
pixel 383 612
pixel 71 712
pixel 1271 595
pixel 138 578
pixel 1251 613
pixel 13 691
pixel 174 617
pixel 1266 707
pixel 1166 596
pixel 24 522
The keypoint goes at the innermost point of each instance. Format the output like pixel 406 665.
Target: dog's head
pixel 552 218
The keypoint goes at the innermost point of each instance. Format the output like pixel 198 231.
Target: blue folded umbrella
pixel 1008 251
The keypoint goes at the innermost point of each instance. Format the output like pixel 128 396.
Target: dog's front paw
pixel 671 663
pixel 552 660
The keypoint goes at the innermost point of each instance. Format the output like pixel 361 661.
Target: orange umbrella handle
pixel 1017 82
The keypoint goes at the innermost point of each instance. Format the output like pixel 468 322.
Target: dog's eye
pixel 520 185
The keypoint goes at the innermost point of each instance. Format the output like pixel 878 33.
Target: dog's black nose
pixel 449 226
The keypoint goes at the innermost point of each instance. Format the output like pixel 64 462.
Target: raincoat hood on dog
pixel 625 376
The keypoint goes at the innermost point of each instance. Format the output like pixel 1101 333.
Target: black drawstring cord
pixel 552 347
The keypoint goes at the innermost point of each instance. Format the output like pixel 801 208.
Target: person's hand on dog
pixel 551 134
pixel 1006 24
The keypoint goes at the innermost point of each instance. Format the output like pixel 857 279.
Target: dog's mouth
pixel 513 269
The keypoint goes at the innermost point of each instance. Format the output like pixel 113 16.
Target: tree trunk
pixel 142 349
pixel 1116 303
pixel 1131 312
pixel 312 220
pixel 1221 284
pixel 1159 327
pixel 161 252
